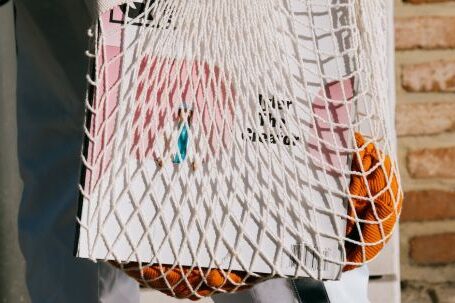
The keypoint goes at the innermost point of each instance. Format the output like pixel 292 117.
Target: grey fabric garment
pixel 51 83
pixel 352 288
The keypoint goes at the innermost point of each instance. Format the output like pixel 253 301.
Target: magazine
pixel 164 176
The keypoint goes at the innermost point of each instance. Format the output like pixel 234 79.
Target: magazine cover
pixel 184 161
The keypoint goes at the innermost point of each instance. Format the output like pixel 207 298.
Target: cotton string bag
pixel 230 142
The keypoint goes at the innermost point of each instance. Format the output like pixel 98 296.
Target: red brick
pixel 432 163
pixel 427 32
pixel 433 249
pixel 414 292
pixel 438 116
pixel 428 205
pixel 446 293
pixel 426 1
pixel 437 76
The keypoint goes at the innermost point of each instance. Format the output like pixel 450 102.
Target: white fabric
pixel 351 288
pixel 271 291
pixel 104 5
pixel 51 66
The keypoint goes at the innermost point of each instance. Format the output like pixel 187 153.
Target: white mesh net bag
pixel 231 141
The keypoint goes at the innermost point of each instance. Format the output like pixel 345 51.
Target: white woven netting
pixel 251 139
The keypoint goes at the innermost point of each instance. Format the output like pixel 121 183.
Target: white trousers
pixel 352 288
pixel 51 84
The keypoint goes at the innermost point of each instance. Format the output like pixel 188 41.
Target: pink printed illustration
pixel 327 139
pixel 162 88
pixel 168 86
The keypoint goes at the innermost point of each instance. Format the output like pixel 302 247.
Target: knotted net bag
pixel 232 141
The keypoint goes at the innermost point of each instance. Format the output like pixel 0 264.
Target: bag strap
pixel 308 290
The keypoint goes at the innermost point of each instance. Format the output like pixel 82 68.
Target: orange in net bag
pixel 192 284
pixel 378 204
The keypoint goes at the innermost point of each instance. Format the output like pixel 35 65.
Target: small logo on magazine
pixel 139 13
pixel 302 253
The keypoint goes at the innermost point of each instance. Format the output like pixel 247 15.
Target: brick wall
pixel 425 67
